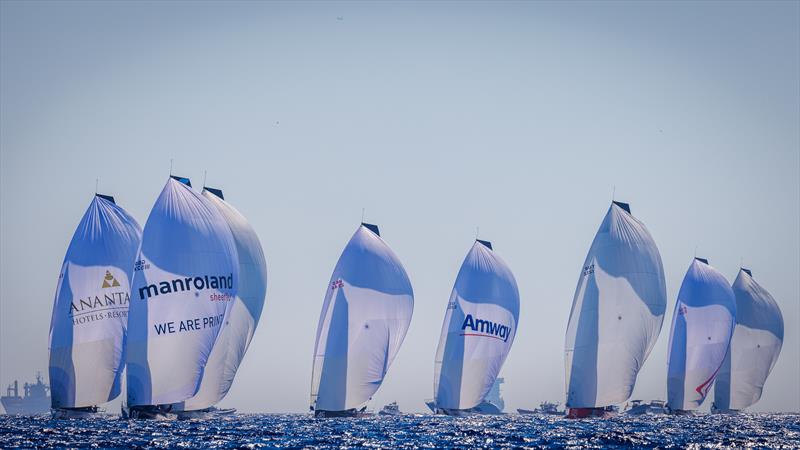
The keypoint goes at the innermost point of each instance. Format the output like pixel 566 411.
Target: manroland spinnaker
pixel 87 329
pixel 616 315
pixel 479 327
pixel 702 325
pixel 242 319
pixel 184 281
pixel 755 346
pixel 364 319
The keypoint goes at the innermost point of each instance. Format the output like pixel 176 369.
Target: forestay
pixel 90 310
pixel 702 325
pixel 617 312
pixel 364 319
pixel 184 279
pixel 479 328
pixel 755 346
pixel 242 319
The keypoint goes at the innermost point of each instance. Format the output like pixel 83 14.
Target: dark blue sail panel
pixel 107 197
pixel 702 260
pixel 747 271
pixel 624 206
pixel 215 191
pixel 487 244
pixel 371 227
pixel 183 180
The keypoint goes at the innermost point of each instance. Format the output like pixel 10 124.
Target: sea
pixel 408 431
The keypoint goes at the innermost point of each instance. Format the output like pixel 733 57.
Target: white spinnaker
pixel 478 330
pixel 702 325
pixel 87 329
pixel 242 319
pixel 755 346
pixel 617 312
pixel 364 319
pixel 184 279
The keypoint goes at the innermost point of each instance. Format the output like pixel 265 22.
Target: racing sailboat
pixel 185 278
pixel 365 315
pixel 616 316
pixel 755 346
pixel 702 325
pixel 87 329
pixel 241 321
pixel 479 327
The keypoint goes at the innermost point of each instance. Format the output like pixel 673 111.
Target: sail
pixel 479 327
pixel 184 279
pixel 364 319
pixel 617 312
pixel 90 310
pixel 242 319
pixel 702 325
pixel 755 346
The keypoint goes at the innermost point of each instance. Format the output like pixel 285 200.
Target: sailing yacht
pixel 616 316
pixel 89 319
pixel 365 315
pixel 702 325
pixel 479 327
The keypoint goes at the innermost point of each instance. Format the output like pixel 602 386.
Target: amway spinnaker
pixel 616 316
pixel 479 327
pixel 87 329
pixel 755 346
pixel 702 325
pixel 364 319
pixel 184 280
pixel 241 321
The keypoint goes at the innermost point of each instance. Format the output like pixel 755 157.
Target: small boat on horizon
pixel 639 407
pixel 545 408
pixel 392 409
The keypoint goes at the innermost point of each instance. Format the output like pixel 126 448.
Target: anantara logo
pixel 110 281
pixel 485 328
pixel 109 305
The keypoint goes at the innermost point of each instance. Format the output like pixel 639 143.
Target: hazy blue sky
pixel 435 117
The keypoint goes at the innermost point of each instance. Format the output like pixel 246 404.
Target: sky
pixel 515 120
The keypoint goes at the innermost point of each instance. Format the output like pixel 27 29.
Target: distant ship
pixel 392 409
pixel 638 407
pixel 35 401
pixel 545 408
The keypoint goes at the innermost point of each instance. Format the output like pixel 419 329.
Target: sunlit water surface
pixel 409 431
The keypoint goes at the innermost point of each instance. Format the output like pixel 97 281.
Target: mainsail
pixel 90 310
pixel 242 319
pixel 184 280
pixel 755 346
pixel 617 312
pixel 364 319
pixel 479 327
pixel 702 325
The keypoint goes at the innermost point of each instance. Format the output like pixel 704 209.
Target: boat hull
pixel 587 413
pixel 74 413
pixel 485 408
pixel 19 406
pixel 149 413
pixel 322 414
pixel 208 413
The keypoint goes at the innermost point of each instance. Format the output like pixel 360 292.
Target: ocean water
pixel 409 431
